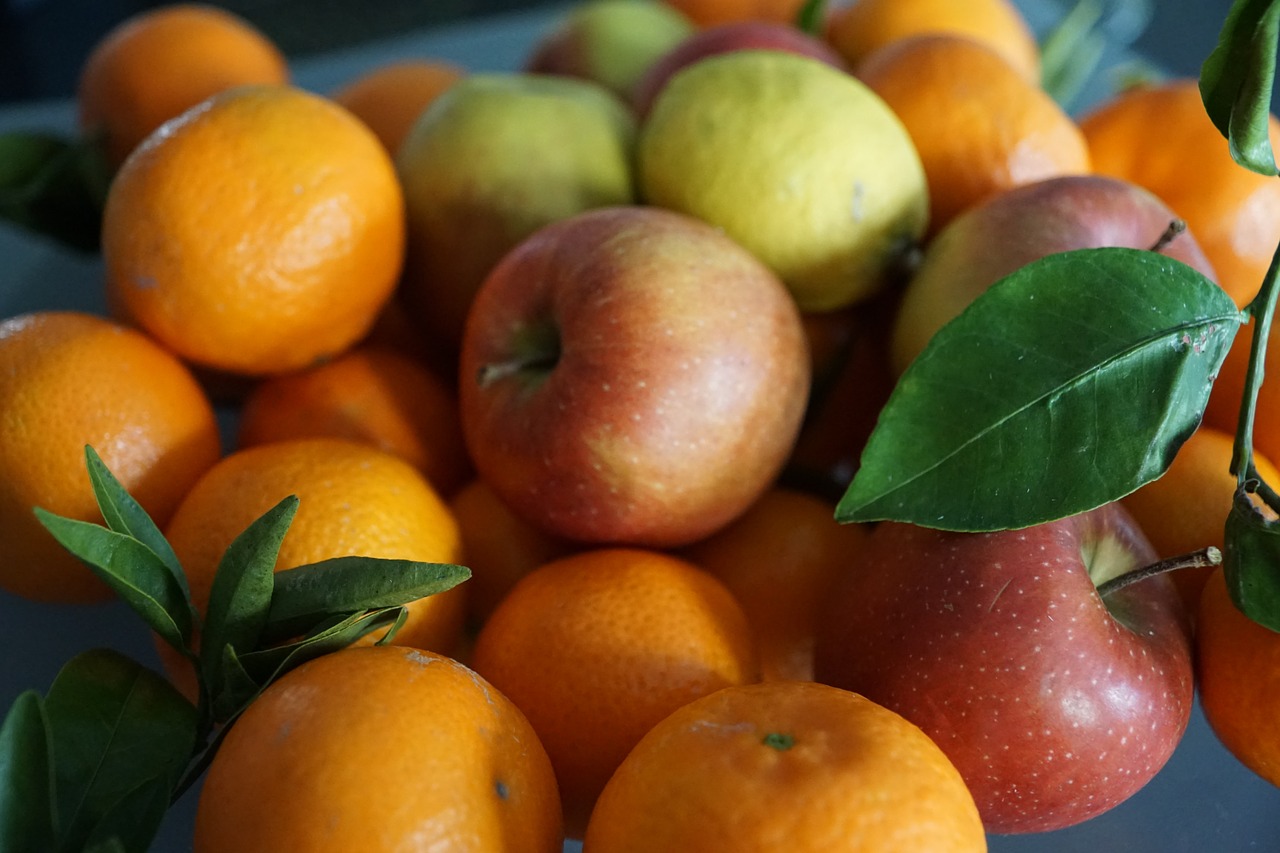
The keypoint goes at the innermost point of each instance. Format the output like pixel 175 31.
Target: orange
pixel 1186 509
pixel 500 545
pixel 69 379
pixel 977 123
pixel 259 233
pixel 790 766
pixel 706 13
pixel 859 28
pixel 597 647
pixel 353 499
pixel 381 749
pixel 1238 666
pixel 370 394
pixel 780 559
pixel 390 97
pixel 1147 134
pixel 163 61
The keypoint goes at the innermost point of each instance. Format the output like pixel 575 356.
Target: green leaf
pixel 125 515
pixel 119 733
pixel 1072 52
pixel 138 576
pixel 1251 561
pixel 53 186
pixel 241 594
pixel 234 688
pixel 1237 78
pixel 1066 385
pixel 266 665
pixel 26 778
pixel 308 594
pixel 812 17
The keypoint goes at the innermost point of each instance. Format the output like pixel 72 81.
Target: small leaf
pixel 53 186
pixel 812 17
pixel 1237 78
pixel 138 576
pixel 117 729
pixel 234 689
pixel 266 665
pixel 307 594
pixel 1251 562
pixel 1064 386
pixel 26 778
pixel 242 588
pixel 125 515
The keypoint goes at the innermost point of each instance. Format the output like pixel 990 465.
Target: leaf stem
pixel 1204 558
pixel 1263 309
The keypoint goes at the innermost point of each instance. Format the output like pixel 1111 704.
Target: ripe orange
pixel 381 749
pixel 390 97
pixel 501 547
pixel 977 123
pixel 790 766
pixel 1238 666
pixel 354 499
pixel 369 394
pixel 163 61
pixel 258 234
pixel 780 559
pixel 1148 134
pixel 707 13
pixel 1186 509
pixel 859 28
pixel 70 379
pixel 597 647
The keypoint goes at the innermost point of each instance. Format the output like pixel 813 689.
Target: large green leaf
pixel 241 594
pixel 26 778
pixel 1066 385
pixel 306 595
pixel 132 570
pixel 120 733
pixel 1237 78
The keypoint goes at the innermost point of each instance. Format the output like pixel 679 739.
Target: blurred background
pixel 42 42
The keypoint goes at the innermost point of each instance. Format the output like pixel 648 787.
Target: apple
pixel 631 375
pixel 1054 703
pixel 722 38
pixel 1014 227
pixel 611 42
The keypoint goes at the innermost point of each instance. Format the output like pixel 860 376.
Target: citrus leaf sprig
pixel 95 763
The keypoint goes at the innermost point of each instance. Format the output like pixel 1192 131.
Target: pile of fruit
pixel 751 426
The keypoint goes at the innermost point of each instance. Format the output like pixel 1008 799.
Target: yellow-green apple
pixel 1014 227
pixel 631 375
pixel 1054 702
pixel 491 160
pixel 722 38
pixel 612 42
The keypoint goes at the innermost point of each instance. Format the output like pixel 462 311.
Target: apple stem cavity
pixel 536 351
pixel 1176 227
pixel 1204 558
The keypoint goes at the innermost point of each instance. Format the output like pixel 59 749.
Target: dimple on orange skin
pixel 68 380
pixel 981 659
pixel 256 234
pixel 379 750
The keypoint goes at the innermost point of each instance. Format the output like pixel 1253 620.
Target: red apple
pixel 722 38
pixel 632 375
pixel 1054 703
pixel 1017 226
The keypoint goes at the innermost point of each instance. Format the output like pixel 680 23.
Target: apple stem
pixel 1204 558
pixel 1176 227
